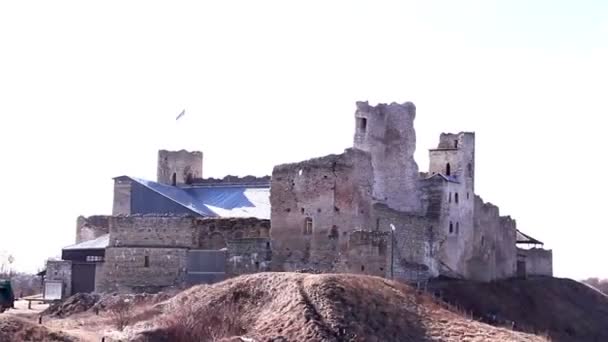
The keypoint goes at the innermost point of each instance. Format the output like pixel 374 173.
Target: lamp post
pixel 392 248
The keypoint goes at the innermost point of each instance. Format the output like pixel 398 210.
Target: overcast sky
pixel 90 91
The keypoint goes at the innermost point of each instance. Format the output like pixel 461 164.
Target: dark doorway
pixel 83 277
pixel 521 268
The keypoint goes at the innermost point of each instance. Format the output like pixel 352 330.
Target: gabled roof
pixel 239 200
pixel 98 243
pixel 526 239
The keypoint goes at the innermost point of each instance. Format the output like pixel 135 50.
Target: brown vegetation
pixel 13 329
pixel 306 307
pixel 563 309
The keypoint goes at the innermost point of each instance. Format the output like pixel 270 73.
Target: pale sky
pixel 90 91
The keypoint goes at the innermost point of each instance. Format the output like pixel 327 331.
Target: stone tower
pixel 387 132
pixel 179 167
pixel 455 157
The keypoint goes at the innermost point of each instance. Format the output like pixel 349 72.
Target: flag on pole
pixel 180 114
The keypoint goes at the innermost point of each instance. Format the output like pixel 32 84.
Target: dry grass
pixel 13 329
pixel 325 307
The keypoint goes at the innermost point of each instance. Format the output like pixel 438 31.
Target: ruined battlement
pixel 232 180
pixel 179 167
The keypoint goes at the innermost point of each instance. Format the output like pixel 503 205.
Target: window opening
pixel 447 169
pixel 451 227
pixel 174 179
pixel 450 198
pixel 362 124
pixel 457 227
pixel 456 197
pixel 455 143
pixel 308 226
pixel 146 261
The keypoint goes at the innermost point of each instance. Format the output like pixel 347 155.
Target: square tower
pixel 179 167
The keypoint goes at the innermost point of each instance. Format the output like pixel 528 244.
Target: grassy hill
pixel 563 309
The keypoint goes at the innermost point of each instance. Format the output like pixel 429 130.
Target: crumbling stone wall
pixel 494 255
pixel 60 270
pixel 387 132
pixel 215 233
pixel 368 253
pixel 135 269
pixel 539 262
pixel 248 255
pixel 179 167
pixel 92 227
pixel 413 245
pixel 315 205
pixel 150 252
pixel 151 231
pixel 122 196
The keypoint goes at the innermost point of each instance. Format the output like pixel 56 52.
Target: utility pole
pixel 392 249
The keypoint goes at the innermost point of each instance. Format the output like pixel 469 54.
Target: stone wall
pixel 122 196
pixel 415 243
pixel 152 231
pixel 149 252
pixel 248 255
pixel 136 269
pixel 494 255
pixel 60 270
pixel 315 204
pixel 539 262
pixel 387 132
pixel 179 167
pixel 368 253
pixel 92 227
pixel 215 233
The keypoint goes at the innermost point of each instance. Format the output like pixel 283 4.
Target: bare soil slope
pixel 563 309
pixel 325 307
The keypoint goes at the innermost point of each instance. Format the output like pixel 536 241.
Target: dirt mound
pixel 13 329
pixel 77 303
pixel 310 307
pixel 82 302
pixel 563 309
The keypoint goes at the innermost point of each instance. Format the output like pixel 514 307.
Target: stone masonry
pixel 369 210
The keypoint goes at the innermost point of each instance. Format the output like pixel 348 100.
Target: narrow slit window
pixel 451 228
pixel 308 226
pixel 457 227
pixel 456 197
pixel 450 198
pixel 146 261
pixel 448 170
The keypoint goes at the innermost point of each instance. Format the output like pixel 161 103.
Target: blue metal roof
pixel 217 200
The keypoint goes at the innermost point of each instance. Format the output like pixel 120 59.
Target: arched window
pixel 456 197
pixel 447 169
pixel 174 179
pixel 451 227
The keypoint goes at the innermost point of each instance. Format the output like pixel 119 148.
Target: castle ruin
pixel 368 210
